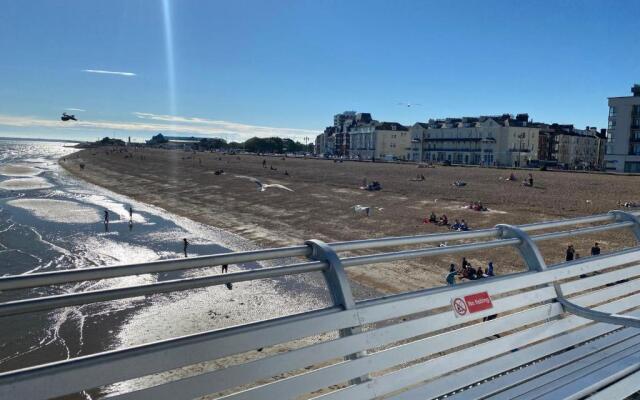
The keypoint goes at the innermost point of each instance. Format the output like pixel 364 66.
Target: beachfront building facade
pixel 568 147
pixel 485 140
pixel 623 134
pixel 384 140
pixel 336 139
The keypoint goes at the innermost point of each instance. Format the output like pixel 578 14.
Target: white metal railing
pixel 345 316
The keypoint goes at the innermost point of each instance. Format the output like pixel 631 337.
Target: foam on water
pixel 61 211
pixel 25 184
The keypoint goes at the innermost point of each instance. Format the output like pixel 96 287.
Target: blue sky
pixel 245 68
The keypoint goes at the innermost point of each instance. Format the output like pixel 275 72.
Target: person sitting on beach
pixel 479 273
pixel 464 226
pixel 455 226
pixel 443 221
pixel 432 218
pixel 512 177
pixel 465 263
pixel 451 276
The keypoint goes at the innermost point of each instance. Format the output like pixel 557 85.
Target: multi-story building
pixel 486 140
pixel 384 140
pixel 623 134
pixel 569 147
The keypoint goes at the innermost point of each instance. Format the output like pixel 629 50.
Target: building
pixel 380 140
pixel 622 152
pixel 486 140
pixel 568 147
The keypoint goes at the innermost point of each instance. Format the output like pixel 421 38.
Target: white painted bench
pixel 547 341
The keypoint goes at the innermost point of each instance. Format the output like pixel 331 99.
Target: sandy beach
pixel 324 193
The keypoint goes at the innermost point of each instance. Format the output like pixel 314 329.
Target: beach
pixel 52 221
pixel 324 193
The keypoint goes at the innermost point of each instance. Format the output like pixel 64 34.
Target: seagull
pixel 263 186
pixel 409 105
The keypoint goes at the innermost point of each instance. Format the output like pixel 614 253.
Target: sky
pixel 237 69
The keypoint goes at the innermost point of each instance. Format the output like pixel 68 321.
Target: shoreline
pixel 324 193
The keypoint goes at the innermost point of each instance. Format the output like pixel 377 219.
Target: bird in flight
pixel 408 105
pixel 264 186
pixel 67 117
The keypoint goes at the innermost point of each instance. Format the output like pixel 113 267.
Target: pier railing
pixel 357 352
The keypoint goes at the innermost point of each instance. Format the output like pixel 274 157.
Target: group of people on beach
pixel 458 225
pixel 468 272
pixel 526 182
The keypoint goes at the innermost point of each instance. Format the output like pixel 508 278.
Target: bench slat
pixel 498 365
pixel 430 369
pixel 600 280
pixel 558 378
pixel 619 390
pixel 620 338
pixel 267 367
pixel 598 378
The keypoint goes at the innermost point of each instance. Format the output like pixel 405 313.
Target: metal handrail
pixel 76 275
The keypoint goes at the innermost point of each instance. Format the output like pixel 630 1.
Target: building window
pixel 612 111
pixel 612 124
pixel 636 109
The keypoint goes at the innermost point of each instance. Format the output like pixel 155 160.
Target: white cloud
pixel 166 124
pixel 75 109
pixel 101 71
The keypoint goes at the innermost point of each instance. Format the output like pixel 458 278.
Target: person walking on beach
pixel 186 244
pixel 225 268
pixel 571 252
pixel 106 219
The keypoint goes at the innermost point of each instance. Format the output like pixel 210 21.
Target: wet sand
pixel 325 192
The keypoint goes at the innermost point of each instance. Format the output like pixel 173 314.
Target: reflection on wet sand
pixel 60 211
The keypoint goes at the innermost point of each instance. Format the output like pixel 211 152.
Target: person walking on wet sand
pixel 225 268
pixel 106 217
pixel 264 163
pixel 186 244
pixel 130 213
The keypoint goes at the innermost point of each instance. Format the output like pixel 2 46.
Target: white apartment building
pixel 622 152
pixel 487 140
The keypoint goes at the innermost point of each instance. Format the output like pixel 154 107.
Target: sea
pixel 52 221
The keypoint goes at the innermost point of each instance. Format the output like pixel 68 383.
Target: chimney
pixel 636 90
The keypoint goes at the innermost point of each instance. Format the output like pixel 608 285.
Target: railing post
pixel 527 248
pixel 340 290
pixel 627 216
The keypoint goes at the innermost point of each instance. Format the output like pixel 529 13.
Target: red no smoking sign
pixel 470 304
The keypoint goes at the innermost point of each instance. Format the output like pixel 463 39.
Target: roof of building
pixel 389 126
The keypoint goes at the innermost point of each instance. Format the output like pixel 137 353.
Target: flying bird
pixel 67 117
pixel 409 105
pixel 263 186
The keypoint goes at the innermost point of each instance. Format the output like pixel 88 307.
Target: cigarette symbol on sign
pixel 460 306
